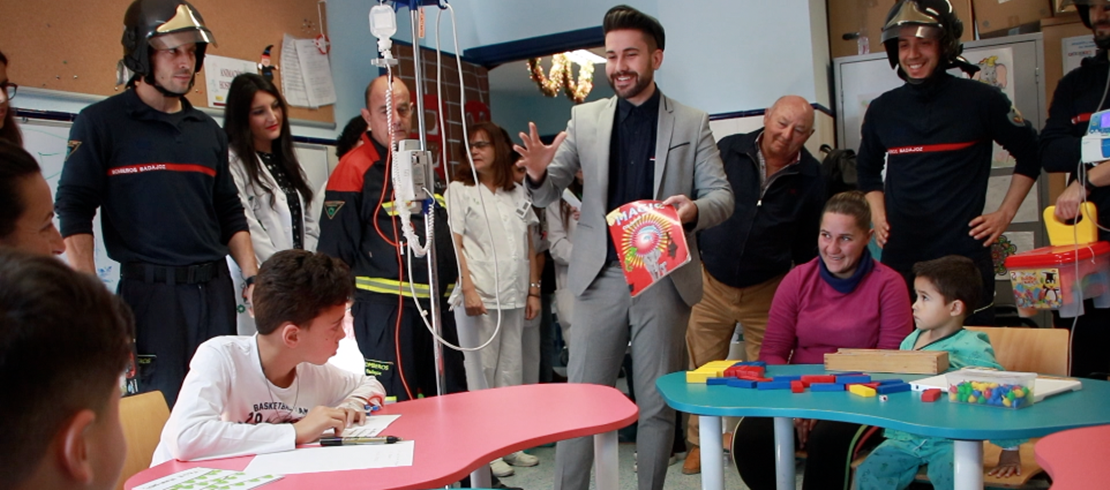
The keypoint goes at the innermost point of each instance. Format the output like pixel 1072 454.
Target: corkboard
pixel 74 45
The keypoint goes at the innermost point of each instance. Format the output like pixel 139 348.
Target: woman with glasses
pixel 489 217
pixel 8 129
pixel 277 198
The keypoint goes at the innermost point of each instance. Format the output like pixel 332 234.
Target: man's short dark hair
pixel 624 17
pixel 65 341
pixel 295 286
pixel 955 277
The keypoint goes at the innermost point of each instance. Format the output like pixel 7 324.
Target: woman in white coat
pixel 280 205
pixel 562 220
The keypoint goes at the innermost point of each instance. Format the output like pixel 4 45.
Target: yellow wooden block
pixel 698 376
pixel 717 367
pixel 861 390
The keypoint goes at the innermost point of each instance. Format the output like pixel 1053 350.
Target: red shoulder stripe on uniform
pixel 1082 118
pixel 348 175
pixel 930 148
pixel 161 167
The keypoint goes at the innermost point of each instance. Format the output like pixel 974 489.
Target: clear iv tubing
pixel 447 175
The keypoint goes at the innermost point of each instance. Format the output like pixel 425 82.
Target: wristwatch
pixel 1089 186
pixel 249 281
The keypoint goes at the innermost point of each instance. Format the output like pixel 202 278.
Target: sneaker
pixel 521 458
pixel 500 469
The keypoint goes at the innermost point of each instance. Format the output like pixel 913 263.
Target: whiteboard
pixel 46 141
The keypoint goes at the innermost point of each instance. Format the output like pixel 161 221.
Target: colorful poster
pixel 649 240
pixel 1075 49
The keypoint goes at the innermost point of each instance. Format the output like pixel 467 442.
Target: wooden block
pixel 786 378
pixel 890 381
pixel 861 390
pixel 892 388
pixel 816 378
pixel 797 387
pixel 826 387
pixel 716 381
pixel 774 385
pixel 930 396
pixel 887 361
pixel 698 376
pixel 742 383
pixel 853 379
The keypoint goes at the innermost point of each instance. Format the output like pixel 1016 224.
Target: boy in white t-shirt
pixel 272 391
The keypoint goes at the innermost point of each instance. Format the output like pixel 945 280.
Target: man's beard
pixel 638 87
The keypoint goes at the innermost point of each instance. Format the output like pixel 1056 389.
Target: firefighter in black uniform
pixel 1079 95
pixel 157 168
pixel 360 226
pixel 936 133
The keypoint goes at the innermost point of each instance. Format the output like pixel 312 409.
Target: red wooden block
pixel 797 386
pixel 930 396
pixel 818 378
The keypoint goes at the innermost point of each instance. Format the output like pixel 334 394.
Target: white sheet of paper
pixel 341 458
pixel 292 81
pixel 208 478
pixel 572 199
pixel 374 425
pixel 316 71
pixel 219 71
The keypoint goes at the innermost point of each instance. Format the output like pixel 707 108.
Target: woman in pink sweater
pixel 843 298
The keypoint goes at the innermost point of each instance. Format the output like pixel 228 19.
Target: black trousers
pixel 375 325
pixel 829 450
pixel 1089 341
pixel 171 321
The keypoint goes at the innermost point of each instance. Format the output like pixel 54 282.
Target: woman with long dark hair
pixel 278 200
pixel 9 130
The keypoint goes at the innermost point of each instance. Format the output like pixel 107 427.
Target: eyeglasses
pixel 9 92
pixel 480 144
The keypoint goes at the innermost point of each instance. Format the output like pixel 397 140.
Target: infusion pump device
pixel 1096 143
pixel 415 174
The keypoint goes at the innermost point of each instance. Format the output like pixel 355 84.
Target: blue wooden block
pixel 751 363
pixel 787 378
pixel 741 383
pixel 774 385
pixel 826 387
pixel 889 381
pixel 716 381
pixel 842 379
pixel 892 388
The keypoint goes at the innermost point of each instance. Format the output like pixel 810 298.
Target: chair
pixel 1036 350
pixel 143 417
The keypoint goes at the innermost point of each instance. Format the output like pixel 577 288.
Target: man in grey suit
pixel 637 145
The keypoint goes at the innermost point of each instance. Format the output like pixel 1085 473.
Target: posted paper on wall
pixel 219 71
pixel 306 79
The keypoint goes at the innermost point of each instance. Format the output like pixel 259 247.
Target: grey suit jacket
pixel 687 162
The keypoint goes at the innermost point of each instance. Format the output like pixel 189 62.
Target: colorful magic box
pixel 649 240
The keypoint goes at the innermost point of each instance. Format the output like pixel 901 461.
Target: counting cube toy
pixel 826 387
pixel 883 398
pixel 993 388
pixel 929 396
pixel 849 379
pixel 741 383
pixel 774 385
pixel 861 390
pixel 892 388
pixel 716 381
pixel 797 387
